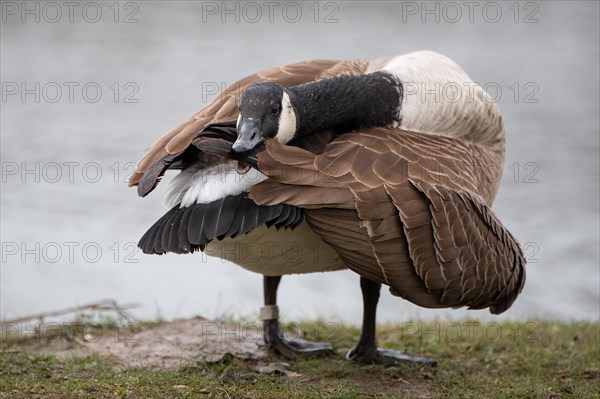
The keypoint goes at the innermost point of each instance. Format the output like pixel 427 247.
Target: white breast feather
pixel 203 186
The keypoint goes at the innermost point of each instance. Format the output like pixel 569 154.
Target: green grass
pixel 536 359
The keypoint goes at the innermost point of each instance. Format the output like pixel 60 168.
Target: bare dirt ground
pixel 170 345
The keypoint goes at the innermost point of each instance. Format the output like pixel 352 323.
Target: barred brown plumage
pixel 406 204
pixel 423 214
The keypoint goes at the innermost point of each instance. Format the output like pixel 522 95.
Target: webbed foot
pixel 388 357
pixel 299 348
pixel 292 348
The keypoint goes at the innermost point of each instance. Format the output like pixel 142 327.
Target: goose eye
pixel 275 109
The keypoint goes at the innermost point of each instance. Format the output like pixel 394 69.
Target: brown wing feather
pixel 419 204
pixel 270 192
pixel 292 165
pixel 224 108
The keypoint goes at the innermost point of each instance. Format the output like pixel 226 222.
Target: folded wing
pixel 415 200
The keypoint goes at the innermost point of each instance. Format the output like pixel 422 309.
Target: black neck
pixel 346 103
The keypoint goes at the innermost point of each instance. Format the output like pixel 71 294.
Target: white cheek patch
pixel 206 185
pixel 237 124
pixel 287 121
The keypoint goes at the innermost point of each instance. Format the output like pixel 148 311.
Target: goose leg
pixel 366 350
pixel 273 336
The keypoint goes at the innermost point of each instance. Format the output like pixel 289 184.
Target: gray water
pixel 67 238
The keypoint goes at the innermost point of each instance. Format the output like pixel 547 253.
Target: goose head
pixel 265 112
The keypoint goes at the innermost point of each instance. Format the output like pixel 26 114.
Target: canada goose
pixel 191 224
pixel 403 209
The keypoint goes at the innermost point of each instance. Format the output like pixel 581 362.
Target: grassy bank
pixel 536 359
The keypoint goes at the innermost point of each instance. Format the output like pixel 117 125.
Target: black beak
pixel 249 136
